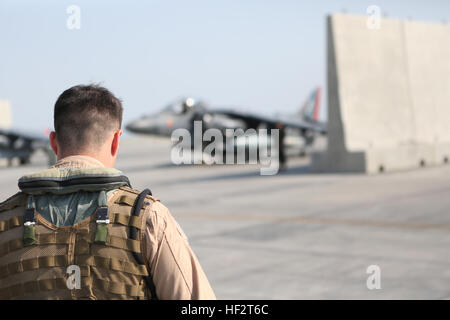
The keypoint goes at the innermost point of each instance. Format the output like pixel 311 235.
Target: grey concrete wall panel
pixel 388 95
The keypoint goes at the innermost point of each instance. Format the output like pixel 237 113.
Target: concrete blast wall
pixel 5 114
pixel 388 95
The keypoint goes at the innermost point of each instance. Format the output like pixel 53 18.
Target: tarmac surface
pixel 298 235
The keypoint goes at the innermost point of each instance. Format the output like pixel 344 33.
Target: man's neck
pixel 78 161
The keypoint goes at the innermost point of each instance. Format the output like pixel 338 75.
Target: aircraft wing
pixel 319 127
pixel 13 134
pixel 254 120
pixel 21 144
pixel 306 119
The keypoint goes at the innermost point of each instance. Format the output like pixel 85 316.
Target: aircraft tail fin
pixel 310 110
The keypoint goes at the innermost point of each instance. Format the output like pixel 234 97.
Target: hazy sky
pixel 265 56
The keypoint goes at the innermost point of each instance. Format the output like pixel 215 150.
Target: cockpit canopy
pixel 183 105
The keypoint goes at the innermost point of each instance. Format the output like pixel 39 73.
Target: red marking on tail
pixel 47 132
pixel 316 112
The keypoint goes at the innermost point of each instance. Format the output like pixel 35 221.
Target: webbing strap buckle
pixel 29 232
pixel 101 232
pixel 29 216
pixel 102 215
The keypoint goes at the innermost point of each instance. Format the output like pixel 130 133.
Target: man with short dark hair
pixel 84 118
pixel 79 231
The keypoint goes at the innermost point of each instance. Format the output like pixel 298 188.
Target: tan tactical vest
pixel 35 255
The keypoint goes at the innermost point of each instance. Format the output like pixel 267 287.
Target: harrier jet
pixel 19 144
pixel 182 114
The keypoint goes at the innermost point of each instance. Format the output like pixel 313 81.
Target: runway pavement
pixel 298 235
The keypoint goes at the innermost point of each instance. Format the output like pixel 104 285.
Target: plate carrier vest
pixel 37 257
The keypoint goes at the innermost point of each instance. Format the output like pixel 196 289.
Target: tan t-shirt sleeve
pixel 176 271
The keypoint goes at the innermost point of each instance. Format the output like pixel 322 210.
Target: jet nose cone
pixel 131 127
pixel 146 125
pixel 137 126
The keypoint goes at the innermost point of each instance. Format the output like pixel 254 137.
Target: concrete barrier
pixel 388 95
pixel 5 114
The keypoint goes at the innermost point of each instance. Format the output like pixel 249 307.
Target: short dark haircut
pixel 84 115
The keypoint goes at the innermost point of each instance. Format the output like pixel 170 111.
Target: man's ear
pixel 115 143
pixel 53 142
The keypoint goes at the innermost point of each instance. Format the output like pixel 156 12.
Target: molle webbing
pixel 63 238
pixel 63 261
pixel 11 223
pixel 37 286
pixel 103 256
pixel 133 235
pixel 33 264
pixel 83 242
pixel 42 239
pixel 19 290
pixel 124 220
pixel 111 263
pixel 126 200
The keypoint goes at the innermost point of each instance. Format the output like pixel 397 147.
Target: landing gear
pixel 24 160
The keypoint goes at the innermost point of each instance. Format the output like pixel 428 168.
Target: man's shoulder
pixel 155 213
pixel 154 203
pixel 151 203
pixel 17 200
pixel 132 194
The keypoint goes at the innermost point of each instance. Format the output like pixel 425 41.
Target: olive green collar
pixel 70 179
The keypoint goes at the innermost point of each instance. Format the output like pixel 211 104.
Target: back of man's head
pixel 84 118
